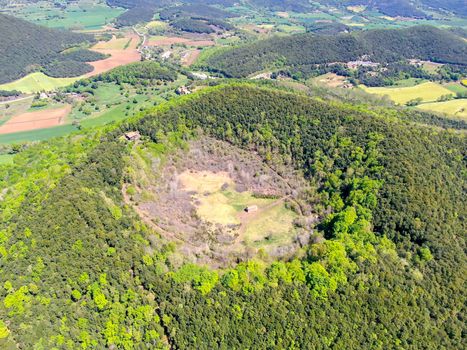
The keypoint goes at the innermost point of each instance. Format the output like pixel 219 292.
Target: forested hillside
pixel 301 53
pixel 26 47
pixel 387 269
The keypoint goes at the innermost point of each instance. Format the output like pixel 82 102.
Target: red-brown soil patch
pixel 190 57
pixel 117 58
pixel 36 120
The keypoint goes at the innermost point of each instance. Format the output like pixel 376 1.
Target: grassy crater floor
pixel 197 197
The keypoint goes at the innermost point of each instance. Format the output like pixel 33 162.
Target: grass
pixel 456 108
pixel 431 67
pixel 83 14
pixel 113 44
pixel 271 224
pixel 36 82
pixel 6 159
pixel 291 28
pixel 12 108
pixel 428 92
pixel 275 226
pixel 409 82
pixel 36 135
pixel 456 87
pixel 159 25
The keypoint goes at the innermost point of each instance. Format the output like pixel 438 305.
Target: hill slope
pixel 26 47
pixel 301 51
pixel 80 269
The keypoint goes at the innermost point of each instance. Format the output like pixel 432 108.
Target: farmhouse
pixel 183 90
pixel 356 64
pixel 132 135
pixel 251 208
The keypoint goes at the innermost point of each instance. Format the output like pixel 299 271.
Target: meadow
pixel 36 82
pixel 79 15
pixel 220 203
pixel 428 92
pixel 456 108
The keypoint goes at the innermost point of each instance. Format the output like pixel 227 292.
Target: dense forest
pixel 26 47
pixel 145 73
pixel 303 52
pixel 80 269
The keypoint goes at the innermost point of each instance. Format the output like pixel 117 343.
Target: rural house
pixel 133 135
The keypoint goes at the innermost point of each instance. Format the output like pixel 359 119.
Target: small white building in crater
pixel 251 208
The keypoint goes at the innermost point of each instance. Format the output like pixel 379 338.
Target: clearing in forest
pixel 198 198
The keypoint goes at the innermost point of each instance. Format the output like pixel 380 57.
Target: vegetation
pixel 145 72
pixel 388 247
pixel 193 11
pixel 27 48
pixel 302 54
pixel 36 82
pixel 427 92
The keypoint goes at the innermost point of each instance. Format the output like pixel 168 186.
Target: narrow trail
pixel 142 36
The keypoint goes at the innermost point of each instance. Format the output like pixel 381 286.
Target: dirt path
pixel 16 100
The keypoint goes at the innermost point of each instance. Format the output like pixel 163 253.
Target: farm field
pixel 456 108
pixel 456 87
pixel 121 50
pixel 78 15
pixel 37 135
pixel 44 118
pixel 113 44
pixel 36 82
pixel 167 41
pixel 428 92
pixel 10 108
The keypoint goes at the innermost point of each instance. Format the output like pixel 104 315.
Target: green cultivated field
pixel 429 92
pixel 37 135
pixel 82 14
pixel 456 87
pixel 36 82
pixel 456 108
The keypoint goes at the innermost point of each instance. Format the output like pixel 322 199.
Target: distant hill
pixel 403 8
pixel 26 47
pixel 302 51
